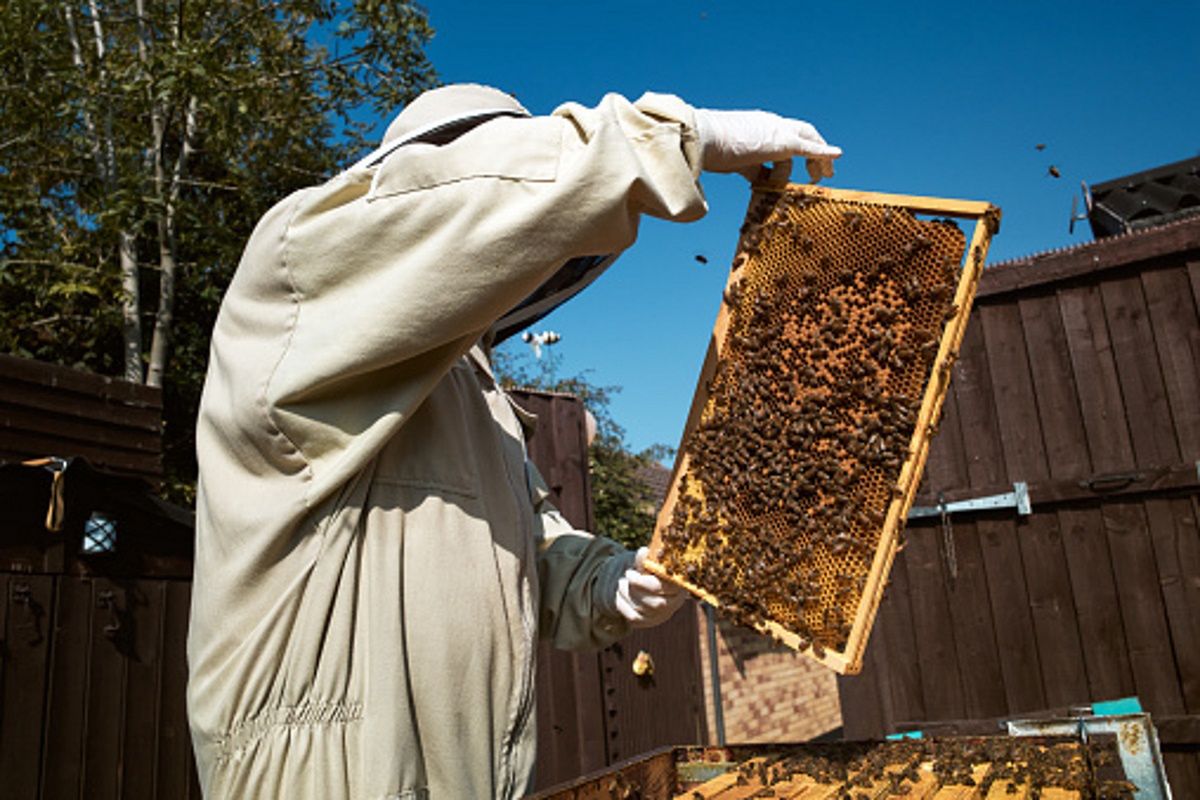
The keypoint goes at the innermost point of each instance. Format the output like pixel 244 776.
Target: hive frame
pixel 986 217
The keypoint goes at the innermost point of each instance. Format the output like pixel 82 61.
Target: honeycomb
pixel 839 325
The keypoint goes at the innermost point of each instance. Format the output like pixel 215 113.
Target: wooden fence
pixel 1079 375
pixel 592 710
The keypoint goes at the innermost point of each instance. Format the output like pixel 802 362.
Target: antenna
pixel 1086 191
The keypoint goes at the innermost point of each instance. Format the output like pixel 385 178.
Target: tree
pixel 139 143
pixel 623 503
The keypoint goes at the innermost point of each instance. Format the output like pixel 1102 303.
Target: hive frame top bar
pixel 968 209
pixel 987 217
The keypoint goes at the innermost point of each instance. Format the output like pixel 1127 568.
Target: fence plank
pixel 1175 537
pixel 1092 363
pixel 974 634
pixel 21 445
pixel 1183 771
pixel 1150 422
pixel 74 380
pixel 896 627
pixel 175 764
pixel 62 405
pixel 571 466
pixel 1020 662
pixel 972 388
pixel 140 640
pixel 61 771
pixel 1066 449
pixel 589 718
pixel 3 631
pixel 555 739
pixel 877 660
pixel 1101 630
pixel 946 467
pixel 1173 317
pixel 861 703
pixel 1054 616
pixel 559 448
pixel 90 432
pixel 106 700
pixel 1142 609
pixel 22 698
pixel 933 627
pixel 570 716
pixel 1016 407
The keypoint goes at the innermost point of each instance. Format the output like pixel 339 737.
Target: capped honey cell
pixel 812 418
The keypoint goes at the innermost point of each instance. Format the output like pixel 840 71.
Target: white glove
pixel 646 600
pixel 739 141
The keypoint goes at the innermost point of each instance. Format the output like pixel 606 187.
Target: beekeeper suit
pixel 374 556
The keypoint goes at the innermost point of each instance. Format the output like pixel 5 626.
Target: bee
pixel 1054 172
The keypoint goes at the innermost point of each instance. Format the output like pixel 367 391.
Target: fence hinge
pixel 1018 498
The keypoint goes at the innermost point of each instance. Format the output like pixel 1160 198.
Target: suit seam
pixel 293 323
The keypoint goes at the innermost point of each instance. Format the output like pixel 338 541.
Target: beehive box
pixel 976 768
pixel 811 422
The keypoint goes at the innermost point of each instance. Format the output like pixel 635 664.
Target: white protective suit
pixel 374 557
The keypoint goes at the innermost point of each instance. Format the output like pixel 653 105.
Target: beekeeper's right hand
pixel 740 141
pixel 644 599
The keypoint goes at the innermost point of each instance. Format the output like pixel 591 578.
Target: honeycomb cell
pixel 837 310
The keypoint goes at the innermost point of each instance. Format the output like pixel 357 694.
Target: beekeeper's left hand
pixel 740 141
pixel 644 599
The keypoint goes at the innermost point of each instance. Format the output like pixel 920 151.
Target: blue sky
pixel 945 99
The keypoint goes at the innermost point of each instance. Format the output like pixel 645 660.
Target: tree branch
pixel 109 147
pixel 77 59
pixel 168 196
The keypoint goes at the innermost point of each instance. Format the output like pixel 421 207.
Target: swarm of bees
pixel 837 313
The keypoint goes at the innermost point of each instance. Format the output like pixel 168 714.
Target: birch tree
pixel 140 140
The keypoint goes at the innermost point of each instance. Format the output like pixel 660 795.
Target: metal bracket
pixel 1018 498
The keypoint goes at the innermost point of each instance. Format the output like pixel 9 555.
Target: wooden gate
pixel 1079 375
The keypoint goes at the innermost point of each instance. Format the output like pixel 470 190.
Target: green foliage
pixel 177 125
pixel 624 506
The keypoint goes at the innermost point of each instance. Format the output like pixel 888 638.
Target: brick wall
pixel 768 692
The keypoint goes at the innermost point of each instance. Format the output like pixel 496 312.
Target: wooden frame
pixel 986 218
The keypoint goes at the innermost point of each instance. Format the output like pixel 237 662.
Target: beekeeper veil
pixel 439 116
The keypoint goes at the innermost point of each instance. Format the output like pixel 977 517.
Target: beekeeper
pixel 375 556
